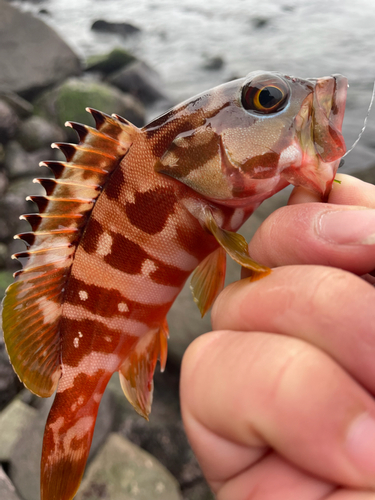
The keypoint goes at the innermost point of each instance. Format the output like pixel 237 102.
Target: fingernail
pixel 347 227
pixel 361 442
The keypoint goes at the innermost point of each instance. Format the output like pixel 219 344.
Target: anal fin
pixel 137 372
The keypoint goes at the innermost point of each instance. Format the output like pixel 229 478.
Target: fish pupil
pixel 269 97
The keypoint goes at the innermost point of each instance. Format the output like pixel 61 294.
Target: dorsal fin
pixel 32 305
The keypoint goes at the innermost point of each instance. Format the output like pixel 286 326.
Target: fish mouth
pixel 318 135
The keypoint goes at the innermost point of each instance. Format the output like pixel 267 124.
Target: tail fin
pixel 68 435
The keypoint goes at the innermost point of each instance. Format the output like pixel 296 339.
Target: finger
pixel 350 191
pixel 273 477
pixel 351 495
pixel 315 233
pixel 256 390
pixel 329 308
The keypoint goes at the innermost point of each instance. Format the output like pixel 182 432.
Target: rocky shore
pixel 42 85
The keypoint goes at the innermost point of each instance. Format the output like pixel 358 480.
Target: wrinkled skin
pixel 283 405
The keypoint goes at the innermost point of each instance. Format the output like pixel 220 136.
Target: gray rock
pixel 3 259
pixel 122 471
pixel 124 29
pixel 108 63
pixel 198 491
pixel 33 58
pixel 20 163
pixel 3 179
pixel 37 133
pixel 9 383
pixel 68 101
pixel 214 63
pixel 12 420
pixel 24 469
pixel 8 122
pixel 23 108
pixel 139 80
pixel 168 443
pixel 7 490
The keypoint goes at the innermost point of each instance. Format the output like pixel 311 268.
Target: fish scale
pixel 127 218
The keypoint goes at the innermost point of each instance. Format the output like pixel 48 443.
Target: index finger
pixel 348 191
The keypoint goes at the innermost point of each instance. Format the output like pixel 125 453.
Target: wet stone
pixel 8 121
pixel 37 133
pixel 12 420
pixel 123 471
pixel 7 490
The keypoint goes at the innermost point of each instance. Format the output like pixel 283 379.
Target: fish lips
pixel 318 135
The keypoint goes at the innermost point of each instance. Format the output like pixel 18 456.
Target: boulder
pixel 20 163
pixel 32 55
pixel 108 63
pixel 8 122
pixel 68 101
pixel 139 80
pixel 9 383
pixel 214 63
pixel 122 471
pixel 7 490
pixel 37 133
pixel 12 421
pixel 23 108
pixel 124 29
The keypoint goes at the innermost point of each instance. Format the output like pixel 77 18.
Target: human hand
pixel 278 401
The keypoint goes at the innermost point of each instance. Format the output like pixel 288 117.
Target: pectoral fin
pixel 235 245
pixel 208 280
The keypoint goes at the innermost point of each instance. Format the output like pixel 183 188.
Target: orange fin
pixel 208 280
pixel 137 372
pixel 235 246
pixel 32 305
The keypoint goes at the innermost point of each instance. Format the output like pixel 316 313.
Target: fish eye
pixel 265 94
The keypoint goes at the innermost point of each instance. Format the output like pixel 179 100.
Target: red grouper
pixel 129 215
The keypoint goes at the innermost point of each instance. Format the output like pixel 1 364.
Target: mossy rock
pixel 6 278
pixel 68 101
pixel 110 62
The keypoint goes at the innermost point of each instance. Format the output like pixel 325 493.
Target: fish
pixel 129 215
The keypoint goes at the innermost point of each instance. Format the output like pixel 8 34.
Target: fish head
pixel 255 135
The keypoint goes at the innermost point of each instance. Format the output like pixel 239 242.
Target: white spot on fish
pixel 123 307
pixel 107 338
pixel 104 246
pixel 80 335
pixel 76 342
pixel 83 295
pixel 148 267
pixel 51 310
pixel 292 155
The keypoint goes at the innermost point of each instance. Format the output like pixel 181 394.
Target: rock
pixel 9 383
pixel 8 122
pixel 3 179
pixel 12 420
pixel 19 162
pixel 124 29
pixel 260 22
pixel 108 63
pixel 68 101
pixel 214 63
pixel 122 471
pixel 3 259
pixel 7 490
pixel 168 443
pixel 139 80
pixel 34 58
pixel 198 491
pixel 37 133
pixel 23 108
